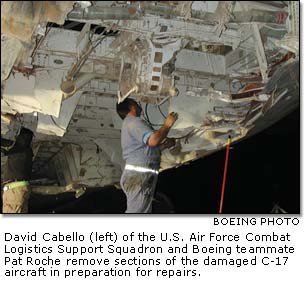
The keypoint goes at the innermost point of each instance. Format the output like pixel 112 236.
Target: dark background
pixel 262 170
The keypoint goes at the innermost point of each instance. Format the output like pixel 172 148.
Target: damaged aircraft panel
pixel 229 68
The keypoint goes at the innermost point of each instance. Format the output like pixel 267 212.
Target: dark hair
pixel 123 108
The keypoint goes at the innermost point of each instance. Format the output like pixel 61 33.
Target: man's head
pixel 128 107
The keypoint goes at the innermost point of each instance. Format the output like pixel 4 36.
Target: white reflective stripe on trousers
pixel 140 169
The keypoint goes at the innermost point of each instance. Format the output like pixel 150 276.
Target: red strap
pixel 224 175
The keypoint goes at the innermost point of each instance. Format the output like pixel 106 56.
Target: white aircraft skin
pixel 228 68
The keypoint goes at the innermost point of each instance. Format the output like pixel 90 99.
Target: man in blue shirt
pixel 141 147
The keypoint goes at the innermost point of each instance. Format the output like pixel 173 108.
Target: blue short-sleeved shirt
pixel 134 136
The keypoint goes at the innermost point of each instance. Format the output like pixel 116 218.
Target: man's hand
pixel 158 136
pixel 171 119
pixel 168 143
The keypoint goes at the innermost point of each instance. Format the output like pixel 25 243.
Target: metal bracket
pixel 84 33
pixel 260 51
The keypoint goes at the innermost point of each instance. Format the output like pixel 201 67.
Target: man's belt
pixel 140 169
pixel 14 185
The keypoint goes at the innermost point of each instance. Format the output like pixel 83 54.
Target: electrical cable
pixel 186 137
pixel 39 42
pixel 99 39
pixel 147 117
pixel 91 34
pixel 144 115
pixel 161 111
pixel 76 67
pixel 62 128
